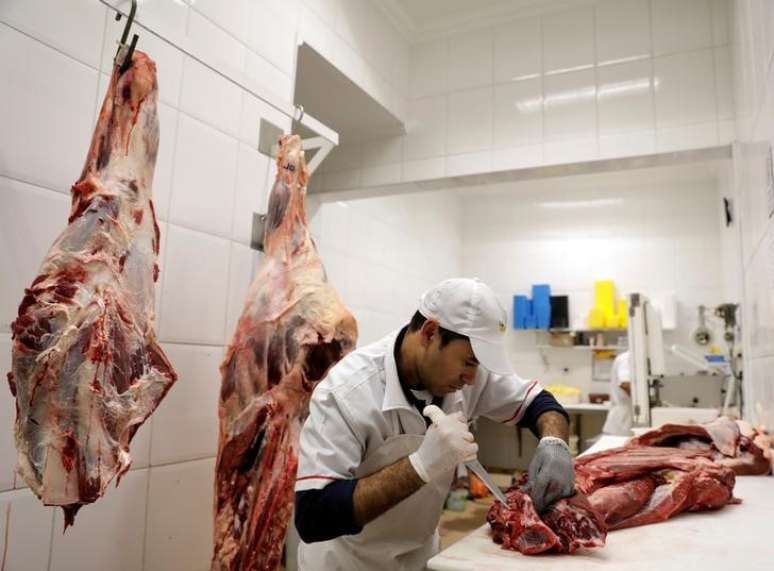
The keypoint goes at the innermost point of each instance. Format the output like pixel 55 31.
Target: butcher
pixel 619 418
pixel 374 472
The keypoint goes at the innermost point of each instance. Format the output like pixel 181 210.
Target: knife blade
pixel 476 467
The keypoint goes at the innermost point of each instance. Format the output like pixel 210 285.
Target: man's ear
pixel 428 330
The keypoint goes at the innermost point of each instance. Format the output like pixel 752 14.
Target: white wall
pixel 209 178
pixel 652 238
pixel 586 80
pixel 381 253
pixel 753 49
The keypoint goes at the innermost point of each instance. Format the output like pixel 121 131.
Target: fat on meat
pixel 292 330
pixel 87 369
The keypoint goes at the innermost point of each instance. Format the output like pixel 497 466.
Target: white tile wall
pixel 470 121
pixel 185 425
pixel 244 261
pixel 178 495
pixel 518 117
pixel 685 88
pixel 120 514
pixel 625 98
pixel 204 178
pixel 426 128
pixel 681 26
pixel 609 74
pixel 69 26
pixel 568 40
pixel 210 97
pixel 197 264
pixel 622 30
pixel 272 35
pixel 570 105
pixel 39 122
pixel 252 192
pixel 7 419
pixel 428 68
pixel 522 37
pixel 30 220
pixel 214 45
pixel 26 525
pixel 470 60
pixel 231 16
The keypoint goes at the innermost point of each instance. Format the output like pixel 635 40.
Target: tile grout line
pixel 653 78
pixel 50 46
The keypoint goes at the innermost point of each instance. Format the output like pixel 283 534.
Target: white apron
pixel 402 538
pixel 619 419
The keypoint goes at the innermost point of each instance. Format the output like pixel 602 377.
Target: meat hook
pixel 124 54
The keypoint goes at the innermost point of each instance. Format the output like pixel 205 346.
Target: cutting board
pixel 735 538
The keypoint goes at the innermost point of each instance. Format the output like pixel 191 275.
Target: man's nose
pixel 468 377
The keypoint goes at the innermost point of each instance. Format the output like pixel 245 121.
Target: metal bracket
pixel 258 231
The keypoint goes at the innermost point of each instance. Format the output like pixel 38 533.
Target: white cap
pixel 469 307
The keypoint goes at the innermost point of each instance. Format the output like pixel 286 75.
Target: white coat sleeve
pixel 504 398
pixel 328 448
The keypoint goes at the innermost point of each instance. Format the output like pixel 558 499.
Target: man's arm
pixel 553 423
pixel 377 493
pixel 343 507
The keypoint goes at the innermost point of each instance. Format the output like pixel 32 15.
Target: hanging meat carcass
pixel 293 328
pixel 87 369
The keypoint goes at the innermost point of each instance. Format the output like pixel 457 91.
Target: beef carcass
pixel 292 330
pixel 566 526
pixel 87 369
pixel 747 450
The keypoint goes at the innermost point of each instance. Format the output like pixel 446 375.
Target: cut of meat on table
pixel 642 485
pixel 747 450
pixel 87 369
pixel 616 465
pixel 566 526
pixel 293 329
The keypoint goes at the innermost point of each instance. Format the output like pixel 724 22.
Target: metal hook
pixel 301 110
pixel 124 54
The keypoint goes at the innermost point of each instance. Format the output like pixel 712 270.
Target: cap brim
pixel 491 356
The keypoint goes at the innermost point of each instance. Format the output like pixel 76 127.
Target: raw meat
pixel 87 369
pixel 616 465
pixel 565 527
pixel 292 330
pixel 641 485
pixel 736 444
pixel 618 502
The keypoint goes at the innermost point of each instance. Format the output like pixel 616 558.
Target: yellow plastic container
pixel 596 318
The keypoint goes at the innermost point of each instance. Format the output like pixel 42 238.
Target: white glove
pixel 447 443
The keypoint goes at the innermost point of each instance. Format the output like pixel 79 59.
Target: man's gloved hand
pixel 447 442
pixel 551 473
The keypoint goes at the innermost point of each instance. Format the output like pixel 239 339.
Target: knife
pixel 435 414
